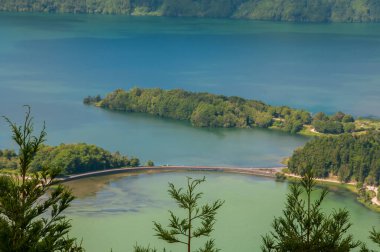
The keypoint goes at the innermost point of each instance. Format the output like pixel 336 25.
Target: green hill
pixel 278 10
pixel 351 158
pixel 71 158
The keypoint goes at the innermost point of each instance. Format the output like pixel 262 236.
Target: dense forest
pixel 346 156
pixel 278 10
pixel 71 158
pixel 209 110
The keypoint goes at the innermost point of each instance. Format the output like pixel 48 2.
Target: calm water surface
pixel 118 212
pixel 52 61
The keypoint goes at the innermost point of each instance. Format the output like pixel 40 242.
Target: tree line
pixel 70 158
pixel 209 110
pixel 347 156
pixel 279 10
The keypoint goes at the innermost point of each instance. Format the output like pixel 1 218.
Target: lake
pixel 117 211
pixel 52 61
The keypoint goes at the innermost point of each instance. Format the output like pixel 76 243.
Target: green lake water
pixel 118 211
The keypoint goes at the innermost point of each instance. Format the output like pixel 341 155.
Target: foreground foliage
pixel 279 10
pixel 79 158
pixel 375 237
pixel 349 157
pixel 30 208
pixel 199 221
pixel 305 228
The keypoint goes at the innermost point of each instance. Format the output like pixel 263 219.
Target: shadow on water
pixel 219 132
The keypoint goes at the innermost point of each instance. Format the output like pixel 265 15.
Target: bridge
pixel 258 171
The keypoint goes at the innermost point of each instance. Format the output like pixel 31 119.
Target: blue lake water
pixel 52 61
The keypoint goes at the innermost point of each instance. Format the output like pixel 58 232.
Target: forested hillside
pixel 209 110
pixel 279 10
pixel 349 157
pixel 71 158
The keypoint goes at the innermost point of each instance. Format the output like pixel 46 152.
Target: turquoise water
pixel 52 61
pixel 118 212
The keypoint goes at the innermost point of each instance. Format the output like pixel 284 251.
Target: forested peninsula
pixel 219 111
pixel 275 10
pixel 70 159
pixel 349 157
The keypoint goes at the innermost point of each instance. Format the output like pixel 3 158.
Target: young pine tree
pixel 199 220
pixel 30 208
pixel 375 237
pixel 305 228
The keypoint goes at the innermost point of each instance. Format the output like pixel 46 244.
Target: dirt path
pixel 259 171
pixel 374 200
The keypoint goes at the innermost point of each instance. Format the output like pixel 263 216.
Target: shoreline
pixel 257 171
pixel 375 203
pixel 269 172
pixel 277 120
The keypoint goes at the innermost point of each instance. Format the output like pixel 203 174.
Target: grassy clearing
pixel 308 130
pixel 362 126
pixel 365 124
pixel 9 171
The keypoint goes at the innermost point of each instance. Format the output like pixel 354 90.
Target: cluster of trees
pixel 365 195
pixel 92 99
pixel 279 10
pixel 346 156
pixel 8 159
pixel 208 110
pixel 311 10
pixel 73 158
pixel 31 208
pixel 79 158
pixel 335 124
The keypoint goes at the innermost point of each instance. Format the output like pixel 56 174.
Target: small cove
pixel 120 209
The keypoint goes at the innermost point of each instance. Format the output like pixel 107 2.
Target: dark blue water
pixel 52 61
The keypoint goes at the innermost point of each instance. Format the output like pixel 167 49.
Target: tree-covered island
pixel 219 111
